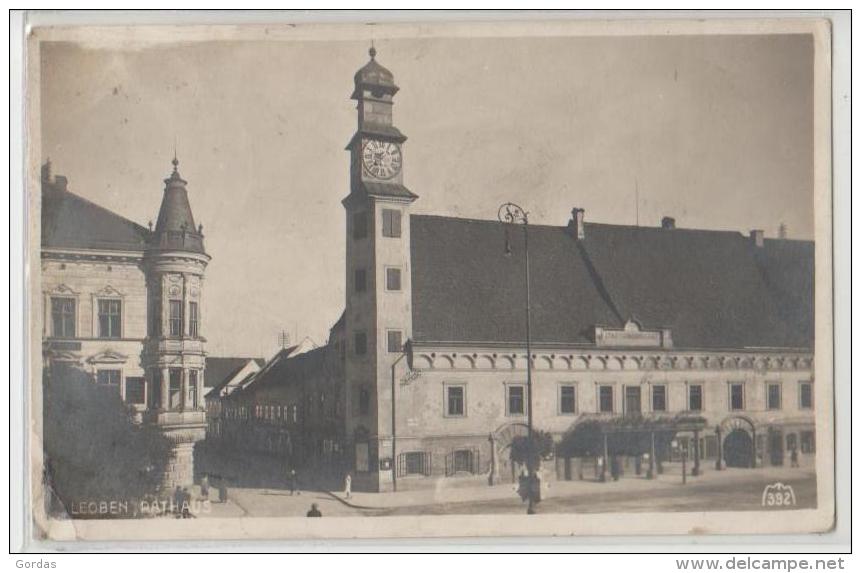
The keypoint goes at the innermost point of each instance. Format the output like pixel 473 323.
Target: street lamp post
pixel 514 214
pixel 394 417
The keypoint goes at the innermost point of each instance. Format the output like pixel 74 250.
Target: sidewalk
pixel 439 493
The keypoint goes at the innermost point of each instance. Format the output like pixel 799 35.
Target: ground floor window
pixel 808 442
pixel 461 461
pixel 414 463
pixel 711 449
pixel 135 389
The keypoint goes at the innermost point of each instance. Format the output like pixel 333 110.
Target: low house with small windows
pixel 293 407
pixel 225 375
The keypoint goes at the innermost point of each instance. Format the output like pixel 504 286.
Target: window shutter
pixel 449 464
pixel 427 460
pixel 476 465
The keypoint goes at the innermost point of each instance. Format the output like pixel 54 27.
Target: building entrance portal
pixel 503 470
pixel 738 449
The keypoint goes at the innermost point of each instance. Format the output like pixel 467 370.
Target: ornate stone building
pixel 123 304
pixel 636 323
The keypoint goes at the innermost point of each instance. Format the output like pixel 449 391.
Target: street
pixel 259 491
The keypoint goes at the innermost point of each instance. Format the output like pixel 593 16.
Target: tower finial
pixel 373 51
pixel 175 160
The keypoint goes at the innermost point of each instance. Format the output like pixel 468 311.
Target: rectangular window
pixel 567 399
pixel 360 280
pixel 455 400
pixel 360 343
pixel 135 389
pixel 711 447
pixel 193 319
pixel 63 317
pixel 605 399
pixel 463 461
pixel 360 225
pixel 808 442
pixel 391 223
pixel 773 397
pixel 515 399
pixel 393 279
pixel 156 318
pixel 176 318
pixel 192 388
pixel 632 399
pixel 109 377
pixel 394 342
pixel 736 396
pixel 110 319
pixel 659 398
pixel 695 397
pixel 175 391
pixel 414 463
pixel 364 402
pixel 805 395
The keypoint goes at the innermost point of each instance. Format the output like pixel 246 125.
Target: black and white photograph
pixel 419 280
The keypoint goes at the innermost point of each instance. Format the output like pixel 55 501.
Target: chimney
pixel 576 223
pixel 668 223
pixel 758 237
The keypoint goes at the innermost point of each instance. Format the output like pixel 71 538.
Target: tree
pixel 531 453
pixel 93 450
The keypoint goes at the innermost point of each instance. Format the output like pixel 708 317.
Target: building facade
pixel 627 322
pixel 123 305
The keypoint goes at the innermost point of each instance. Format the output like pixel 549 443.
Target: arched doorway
pixel 506 471
pixel 738 449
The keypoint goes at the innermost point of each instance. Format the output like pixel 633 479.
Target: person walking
pixel 793 457
pixel 204 487
pixel 177 501
pixel 293 482
pixel 348 486
pixel 314 511
pixel 186 503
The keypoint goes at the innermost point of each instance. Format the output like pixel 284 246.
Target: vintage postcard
pixel 419 280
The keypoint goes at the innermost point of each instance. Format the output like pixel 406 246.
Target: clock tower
pixel 378 282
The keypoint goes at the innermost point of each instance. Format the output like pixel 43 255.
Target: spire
pixel 175 228
pixel 373 51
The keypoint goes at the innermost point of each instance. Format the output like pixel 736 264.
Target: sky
pixel 716 131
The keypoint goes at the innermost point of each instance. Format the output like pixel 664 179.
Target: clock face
pixel 381 159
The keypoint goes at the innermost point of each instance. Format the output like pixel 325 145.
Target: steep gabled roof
pixel 713 289
pixel 221 370
pixel 70 221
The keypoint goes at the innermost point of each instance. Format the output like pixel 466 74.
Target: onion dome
pixel 374 78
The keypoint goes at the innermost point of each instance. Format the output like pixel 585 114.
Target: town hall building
pixel 626 322
pixel 702 337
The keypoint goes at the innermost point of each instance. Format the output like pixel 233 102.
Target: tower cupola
pixel 175 228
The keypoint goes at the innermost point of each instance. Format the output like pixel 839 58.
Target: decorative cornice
pixel 602 359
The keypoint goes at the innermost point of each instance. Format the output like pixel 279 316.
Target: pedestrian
pixel 348 486
pixel 204 487
pixel 313 512
pixel 293 482
pixel 614 467
pixel 793 457
pixel 176 506
pixel 222 490
pixel 186 503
